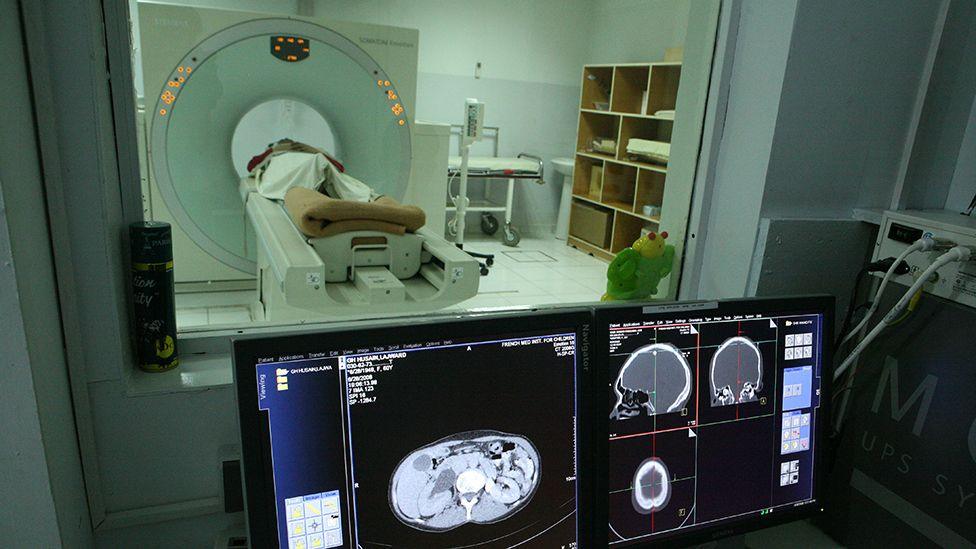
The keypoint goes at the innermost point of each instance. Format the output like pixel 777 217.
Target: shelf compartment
pixel 597 84
pixel 619 186
pixel 663 88
pixel 593 125
pixel 642 128
pixel 629 87
pixel 588 177
pixel 626 229
pixel 650 190
pixel 591 223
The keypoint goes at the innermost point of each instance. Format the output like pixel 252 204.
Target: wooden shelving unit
pixel 619 102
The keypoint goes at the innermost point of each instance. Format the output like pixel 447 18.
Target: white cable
pixel 922 244
pixel 959 253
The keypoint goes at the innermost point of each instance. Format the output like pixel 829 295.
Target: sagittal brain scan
pixel 736 372
pixel 479 477
pixel 652 486
pixel 656 379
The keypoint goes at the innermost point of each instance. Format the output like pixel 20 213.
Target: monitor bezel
pixel 605 314
pixel 260 505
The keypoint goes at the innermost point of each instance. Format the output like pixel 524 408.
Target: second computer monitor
pixel 713 416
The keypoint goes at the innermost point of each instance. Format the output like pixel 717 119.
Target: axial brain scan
pixel 736 372
pixel 656 379
pixel 475 476
pixel 652 486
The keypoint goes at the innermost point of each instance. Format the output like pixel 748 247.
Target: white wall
pixel 817 121
pixel 41 483
pixel 764 32
pixel 647 27
pixel 963 185
pixel 846 108
pixel 948 103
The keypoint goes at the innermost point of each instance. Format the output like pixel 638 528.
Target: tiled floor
pixel 540 271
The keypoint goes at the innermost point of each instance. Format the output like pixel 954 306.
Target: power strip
pixel 899 229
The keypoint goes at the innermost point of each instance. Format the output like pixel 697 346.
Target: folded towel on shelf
pixel 316 215
pixel 666 113
pixel 656 151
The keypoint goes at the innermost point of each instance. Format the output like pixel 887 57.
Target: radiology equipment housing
pixel 203 71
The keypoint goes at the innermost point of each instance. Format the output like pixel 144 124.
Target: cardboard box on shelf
pixel 591 223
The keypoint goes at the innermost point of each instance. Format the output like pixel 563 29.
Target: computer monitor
pixel 452 432
pixel 715 419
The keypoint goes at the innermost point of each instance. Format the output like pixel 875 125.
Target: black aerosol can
pixel 153 295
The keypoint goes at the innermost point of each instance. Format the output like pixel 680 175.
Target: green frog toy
pixel 636 271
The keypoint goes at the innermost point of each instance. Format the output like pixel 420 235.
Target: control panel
pixel 474 121
pixel 899 229
pixel 290 49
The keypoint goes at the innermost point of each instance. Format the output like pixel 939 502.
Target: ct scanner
pixel 206 69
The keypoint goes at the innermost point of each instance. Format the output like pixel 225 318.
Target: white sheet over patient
pixel 311 171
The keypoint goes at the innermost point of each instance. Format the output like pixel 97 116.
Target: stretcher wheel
pixel 484 269
pixel 489 224
pixel 511 237
pixel 489 261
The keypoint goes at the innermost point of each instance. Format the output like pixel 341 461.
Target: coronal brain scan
pixel 652 486
pixel 655 379
pixel 477 476
pixel 736 372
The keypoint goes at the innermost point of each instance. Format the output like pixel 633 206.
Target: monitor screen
pixel 425 433
pixel 714 416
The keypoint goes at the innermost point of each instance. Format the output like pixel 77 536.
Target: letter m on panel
pixel 924 393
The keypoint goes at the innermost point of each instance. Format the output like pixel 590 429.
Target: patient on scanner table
pixel 321 199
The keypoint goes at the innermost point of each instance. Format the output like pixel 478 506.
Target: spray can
pixel 153 295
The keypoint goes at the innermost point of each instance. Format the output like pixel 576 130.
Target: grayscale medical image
pixel 480 477
pixel 652 486
pixel 736 372
pixel 656 379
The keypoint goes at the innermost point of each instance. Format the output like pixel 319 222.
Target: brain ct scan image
pixel 656 379
pixel 652 486
pixel 477 476
pixel 736 372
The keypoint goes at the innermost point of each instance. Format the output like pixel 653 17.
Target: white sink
pixel 563 165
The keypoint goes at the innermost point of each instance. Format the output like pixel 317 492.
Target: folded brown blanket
pixel 317 215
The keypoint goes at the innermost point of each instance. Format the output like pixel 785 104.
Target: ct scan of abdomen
pixel 479 477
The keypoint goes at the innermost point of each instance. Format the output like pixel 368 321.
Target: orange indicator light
pixel 280 39
pixel 379 82
pixel 386 82
pixel 188 69
pixel 277 48
pixel 181 80
pixel 390 94
pixel 179 69
pixel 291 40
pixel 401 122
pixel 305 49
pixel 300 41
pixel 162 112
